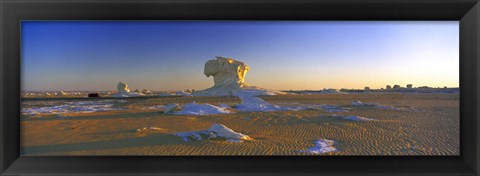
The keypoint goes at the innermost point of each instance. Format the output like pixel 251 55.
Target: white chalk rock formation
pixel 321 146
pixel 122 88
pixel 201 109
pixel 124 91
pixel 183 93
pixel 229 78
pixel 216 130
pixel 251 103
pixel 146 91
pixel 225 132
pixel 357 103
pixel 226 72
pixel 170 108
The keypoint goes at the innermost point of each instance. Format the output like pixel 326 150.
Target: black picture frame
pixel 13 11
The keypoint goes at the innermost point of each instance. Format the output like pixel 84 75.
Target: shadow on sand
pixel 149 140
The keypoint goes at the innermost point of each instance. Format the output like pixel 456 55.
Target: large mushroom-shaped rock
pixel 229 79
pixel 226 72
pixel 122 88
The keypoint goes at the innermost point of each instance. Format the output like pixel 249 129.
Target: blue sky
pixel 170 55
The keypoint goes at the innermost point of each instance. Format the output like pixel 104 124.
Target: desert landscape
pixel 239 88
pixel 235 118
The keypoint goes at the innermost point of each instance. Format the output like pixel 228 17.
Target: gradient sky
pixel 170 55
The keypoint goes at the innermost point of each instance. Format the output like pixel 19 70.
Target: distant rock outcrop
pixel 122 88
pixel 229 78
pixel 331 91
pixel 124 91
pixel 147 92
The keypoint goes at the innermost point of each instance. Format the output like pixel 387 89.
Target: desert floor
pixel 426 124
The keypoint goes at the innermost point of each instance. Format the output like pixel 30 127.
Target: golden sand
pixel 432 129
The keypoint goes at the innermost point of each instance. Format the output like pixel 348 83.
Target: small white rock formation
pixel 147 92
pixel 170 108
pixel 151 128
pixel 225 132
pixel 251 103
pixel 183 93
pixel 353 117
pixel 216 130
pixel 356 118
pixel 167 94
pixel 229 78
pixel 201 109
pixel 321 146
pixel 330 91
pixel 359 103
